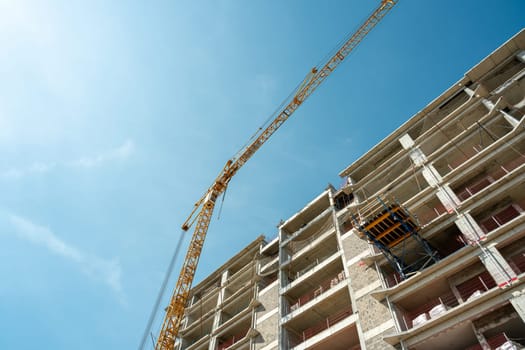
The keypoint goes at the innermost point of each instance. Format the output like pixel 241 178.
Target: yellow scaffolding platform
pixel 388 225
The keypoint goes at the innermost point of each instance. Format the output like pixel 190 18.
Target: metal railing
pixel 229 341
pixel 318 291
pixel 476 286
pixel 430 212
pixel 430 309
pixel 500 218
pixel 298 338
pixel 471 189
pixel 467 290
pixel 294 275
pixel 495 342
pixel 318 226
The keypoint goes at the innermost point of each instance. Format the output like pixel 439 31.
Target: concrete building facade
pixel 423 247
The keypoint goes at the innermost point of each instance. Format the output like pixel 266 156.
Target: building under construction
pixel 423 247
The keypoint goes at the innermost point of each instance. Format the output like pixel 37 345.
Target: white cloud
pixel 35 168
pixel 109 271
pixel 121 152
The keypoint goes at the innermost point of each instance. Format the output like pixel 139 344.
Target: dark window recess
pixel 347 226
pixel 500 218
pixel 472 188
pixel 451 99
pixel 342 200
pixel 517 263
pixel 475 286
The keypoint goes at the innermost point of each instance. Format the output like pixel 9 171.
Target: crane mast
pixel 203 209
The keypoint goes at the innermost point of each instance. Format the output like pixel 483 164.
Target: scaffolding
pixel 388 226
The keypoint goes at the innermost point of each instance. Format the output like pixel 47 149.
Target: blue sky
pixel 116 116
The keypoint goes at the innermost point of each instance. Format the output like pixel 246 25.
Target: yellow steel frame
pixel 175 309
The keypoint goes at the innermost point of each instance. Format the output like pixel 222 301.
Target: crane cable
pixel 222 203
pixel 162 290
pixel 299 86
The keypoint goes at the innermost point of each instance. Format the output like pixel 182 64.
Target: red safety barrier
pixel 475 286
pixel 500 218
pixel 322 288
pixel 224 344
pixel 296 339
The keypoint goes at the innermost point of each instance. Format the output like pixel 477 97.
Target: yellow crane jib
pixel 203 208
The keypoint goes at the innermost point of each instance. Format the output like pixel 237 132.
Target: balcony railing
pixel 197 342
pixel 476 286
pixel 430 212
pixel 430 309
pixel 321 289
pixel 204 295
pixel 297 245
pixel 471 189
pixel 229 341
pixel 235 310
pixel 500 218
pixel 296 339
pixel 468 290
pixel 392 279
pixel 316 224
pixel 500 342
pixel 317 261
pixel 466 154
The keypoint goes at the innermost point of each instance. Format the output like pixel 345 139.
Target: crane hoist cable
pixel 202 212
pixel 162 290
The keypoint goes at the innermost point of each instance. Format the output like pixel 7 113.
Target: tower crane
pixel 203 209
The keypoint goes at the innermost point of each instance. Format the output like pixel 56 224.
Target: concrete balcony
pixel 310 212
pixel 436 304
pixel 337 329
pixel 200 344
pixel 468 310
pixel 303 247
pixel 327 264
pixel 309 229
pixel 236 341
pixel 322 291
pixel 196 335
pixel 473 145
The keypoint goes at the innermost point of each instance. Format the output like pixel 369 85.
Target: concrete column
pixel 431 175
pixel 433 178
pixel 283 281
pixel 455 291
pixel 494 262
pixel 224 280
pixel 353 302
pixel 448 198
pixel 217 316
pixel 469 228
pixel 414 152
pixel 518 302
pixel 481 338
pixel 497 266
